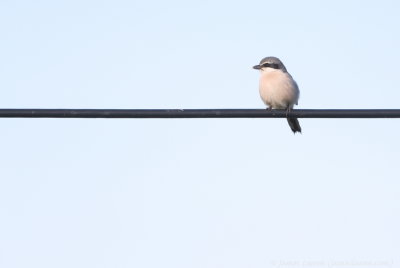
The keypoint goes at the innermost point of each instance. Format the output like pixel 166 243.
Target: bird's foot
pixel 288 111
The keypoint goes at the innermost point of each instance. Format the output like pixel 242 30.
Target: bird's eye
pixel 271 65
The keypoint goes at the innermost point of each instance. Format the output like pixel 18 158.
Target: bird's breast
pixel 278 90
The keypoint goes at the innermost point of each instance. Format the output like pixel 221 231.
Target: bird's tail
pixel 294 124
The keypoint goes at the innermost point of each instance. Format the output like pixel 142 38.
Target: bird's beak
pixel 257 67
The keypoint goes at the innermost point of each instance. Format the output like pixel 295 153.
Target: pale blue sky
pixel 197 192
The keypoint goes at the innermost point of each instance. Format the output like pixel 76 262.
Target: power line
pixel 198 113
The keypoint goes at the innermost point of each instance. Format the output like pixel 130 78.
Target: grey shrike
pixel 278 90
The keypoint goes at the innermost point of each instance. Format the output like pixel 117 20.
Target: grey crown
pixel 274 60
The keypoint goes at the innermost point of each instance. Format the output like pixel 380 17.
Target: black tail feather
pixel 294 124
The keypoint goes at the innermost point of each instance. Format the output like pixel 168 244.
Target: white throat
pixel 269 70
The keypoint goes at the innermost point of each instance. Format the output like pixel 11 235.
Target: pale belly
pixel 278 90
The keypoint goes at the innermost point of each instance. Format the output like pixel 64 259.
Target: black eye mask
pixel 271 65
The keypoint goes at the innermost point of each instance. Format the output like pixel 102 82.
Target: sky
pixel 198 192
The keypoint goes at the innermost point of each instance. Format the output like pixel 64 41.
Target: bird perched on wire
pixel 278 90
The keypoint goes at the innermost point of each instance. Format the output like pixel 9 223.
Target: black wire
pixel 198 113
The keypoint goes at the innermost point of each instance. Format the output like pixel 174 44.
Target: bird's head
pixel 270 63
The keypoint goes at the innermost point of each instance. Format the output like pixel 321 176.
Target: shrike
pixel 278 90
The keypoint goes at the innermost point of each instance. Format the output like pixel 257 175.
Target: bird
pixel 278 90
